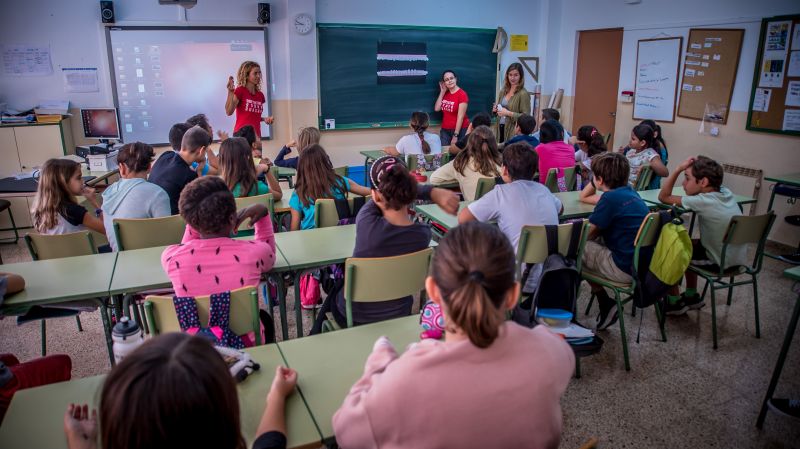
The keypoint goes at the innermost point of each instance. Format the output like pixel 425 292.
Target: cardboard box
pixel 103 162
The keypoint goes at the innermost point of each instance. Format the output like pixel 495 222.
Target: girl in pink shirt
pixel 207 260
pixel 553 152
pixel 496 383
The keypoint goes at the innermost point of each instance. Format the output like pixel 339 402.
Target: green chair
pixel 484 186
pixel 647 236
pixel 742 230
pixel 6 205
pixel 247 201
pixel 341 171
pixel 551 182
pixel 244 319
pixel 45 247
pixel 325 214
pixel 382 279
pixel 644 178
pixel 138 233
pixel 412 161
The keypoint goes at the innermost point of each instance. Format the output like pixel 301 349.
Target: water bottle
pixel 127 336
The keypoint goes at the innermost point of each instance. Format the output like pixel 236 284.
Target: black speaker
pixel 107 11
pixel 263 13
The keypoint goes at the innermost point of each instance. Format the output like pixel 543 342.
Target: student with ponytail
pixel 642 152
pixel 420 142
pixel 384 229
pixel 591 143
pixel 661 147
pixel 485 363
pixel 480 159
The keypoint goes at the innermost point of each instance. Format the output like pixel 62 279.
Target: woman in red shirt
pixel 452 102
pixel 247 99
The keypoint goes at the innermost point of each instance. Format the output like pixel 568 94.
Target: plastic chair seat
pixel 730 271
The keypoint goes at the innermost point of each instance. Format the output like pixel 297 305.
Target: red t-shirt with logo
pixel 450 104
pixel 249 109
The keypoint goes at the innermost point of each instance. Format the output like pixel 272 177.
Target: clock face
pixel 303 23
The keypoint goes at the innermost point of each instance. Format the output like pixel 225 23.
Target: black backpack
pixel 347 216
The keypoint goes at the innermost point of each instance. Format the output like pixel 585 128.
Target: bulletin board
pixel 775 98
pixel 709 73
pixel 658 63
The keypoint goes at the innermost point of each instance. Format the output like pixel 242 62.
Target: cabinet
pixel 24 147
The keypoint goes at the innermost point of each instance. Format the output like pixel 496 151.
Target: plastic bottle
pixel 127 336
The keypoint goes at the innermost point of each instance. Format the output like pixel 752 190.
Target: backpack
pixel 309 289
pixel 670 259
pixel 347 216
pixel 332 275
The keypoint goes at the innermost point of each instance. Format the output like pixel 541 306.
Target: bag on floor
pixel 670 259
pixel 309 289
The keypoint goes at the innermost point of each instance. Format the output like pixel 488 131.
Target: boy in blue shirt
pixel 614 224
pixel 525 126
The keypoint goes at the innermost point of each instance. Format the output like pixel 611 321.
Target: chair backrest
pixel 325 214
pixel 341 171
pixel 744 229
pixel 247 201
pixel 644 178
pixel 551 182
pixel 532 246
pixel 137 233
pixel 44 247
pixel 484 186
pixel 161 315
pixel 412 162
pixel 384 278
pixel 648 234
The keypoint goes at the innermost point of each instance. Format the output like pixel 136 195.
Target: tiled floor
pixel 678 394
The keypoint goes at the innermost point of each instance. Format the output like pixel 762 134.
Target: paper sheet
pixel 794 64
pixel 774 60
pixel 761 100
pixel 796 38
pixel 27 60
pixel 791 120
pixel 80 79
pixel 793 94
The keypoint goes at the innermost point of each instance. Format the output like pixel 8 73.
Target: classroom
pixel 526 223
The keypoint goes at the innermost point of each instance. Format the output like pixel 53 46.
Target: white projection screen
pixel 164 75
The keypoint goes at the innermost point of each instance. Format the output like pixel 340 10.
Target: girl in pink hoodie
pixel 497 384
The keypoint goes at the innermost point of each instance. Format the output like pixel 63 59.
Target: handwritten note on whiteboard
pixel 657 64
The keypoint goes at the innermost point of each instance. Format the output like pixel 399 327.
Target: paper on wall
pixel 696 46
pixel 793 94
pixel 717 57
pixel 796 38
pixel 704 64
pixel 761 100
pixel 688 87
pixel 705 57
pixel 80 79
pixel 27 60
pixel 698 88
pixel 689 72
pixel 700 73
pixel 707 45
pixel 692 62
pixel 791 120
pixel 794 64
pixel 774 56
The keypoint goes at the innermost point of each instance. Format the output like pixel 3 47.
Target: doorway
pixel 597 79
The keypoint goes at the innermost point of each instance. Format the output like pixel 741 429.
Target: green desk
pixel 434 213
pixel 573 208
pixel 35 417
pixel 370 156
pixel 329 364
pixel 651 196
pixel 282 206
pixel 314 248
pixel 285 174
pixel 794 274
pixel 61 280
pixel 792 179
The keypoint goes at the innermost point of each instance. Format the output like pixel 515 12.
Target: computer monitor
pixel 100 123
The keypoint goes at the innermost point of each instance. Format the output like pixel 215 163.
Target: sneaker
pixel 608 316
pixel 679 308
pixel 693 302
pixel 785 407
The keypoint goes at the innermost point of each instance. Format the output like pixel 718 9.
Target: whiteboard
pixel 164 75
pixel 657 72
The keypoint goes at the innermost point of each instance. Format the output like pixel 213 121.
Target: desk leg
pixel 776 373
pixel 297 309
pixel 278 278
pixel 106 328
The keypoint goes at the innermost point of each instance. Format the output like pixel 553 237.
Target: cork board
pixel 709 73
pixel 775 97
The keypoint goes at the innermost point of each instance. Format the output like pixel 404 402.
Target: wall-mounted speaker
pixel 263 13
pixel 107 11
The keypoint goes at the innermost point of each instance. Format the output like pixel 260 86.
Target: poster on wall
pixel 776 45
pixel 657 77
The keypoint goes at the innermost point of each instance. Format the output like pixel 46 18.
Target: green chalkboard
pixel 375 76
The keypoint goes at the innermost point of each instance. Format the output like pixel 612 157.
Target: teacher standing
pixel 512 101
pixel 452 101
pixel 246 99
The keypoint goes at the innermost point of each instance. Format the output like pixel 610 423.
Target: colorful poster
pixel 775 49
pixel 519 42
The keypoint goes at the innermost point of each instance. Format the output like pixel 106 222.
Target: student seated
pixel 182 394
pixel 714 205
pixel 317 179
pixel 552 114
pixel 519 202
pixel 384 229
pixel 516 373
pixel 172 170
pixel 642 152
pixel 479 160
pixel 209 166
pixel 661 147
pixel 249 135
pixel 421 142
pixel 55 208
pixel 132 196
pixel 241 175
pixel 306 137
pixel 480 119
pixel 554 153
pixel 616 219
pixel 208 260
pixel 522 130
